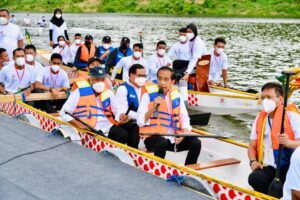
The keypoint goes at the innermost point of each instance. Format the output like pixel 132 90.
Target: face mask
pixel 137 54
pixel 58 16
pixel 140 81
pixel 62 43
pixel 20 61
pixel 269 105
pixel 106 46
pixel 190 35
pixel 123 46
pixel 99 87
pixel 3 20
pixel 55 68
pixel 77 41
pixel 29 58
pixel 219 50
pixel 87 43
pixel 182 38
pixel 161 52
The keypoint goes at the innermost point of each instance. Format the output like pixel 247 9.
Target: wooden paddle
pixel 32 97
pixel 141 40
pixel 185 135
pixel 276 187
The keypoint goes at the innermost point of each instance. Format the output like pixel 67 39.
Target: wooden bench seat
pixel 214 163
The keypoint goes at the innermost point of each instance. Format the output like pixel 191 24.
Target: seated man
pixel 218 63
pixel 129 95
pixel 63 49
pixel 104 49
pixel 126 62
pixel 17 77
pixel 172 118
pixel 93 104
pixel 4 58
pixel 30 54
pixel 74 47
pixel 84 53
pixel 52 79
pixel 265 138
pixel 180 50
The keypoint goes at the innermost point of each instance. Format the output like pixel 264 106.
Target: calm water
pixel 258 49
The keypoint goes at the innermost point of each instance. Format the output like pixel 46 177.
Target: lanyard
pixel 53 82
pixel 269 122
pixel 191 47
pixel 20 78
pixel 216 60
pixel 138 61
pixel 163 63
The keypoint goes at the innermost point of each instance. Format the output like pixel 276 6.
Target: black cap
pixel 106 39
pixel 125 40
pixel 93 59
pixel 97 72
pixel 88 37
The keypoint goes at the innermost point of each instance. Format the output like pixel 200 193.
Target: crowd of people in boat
pixel 148 100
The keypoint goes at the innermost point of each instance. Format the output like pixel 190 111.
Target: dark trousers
pixel 260 179
pixel 159 145
pixel 48 105
pixel 123 135
pixel 180 67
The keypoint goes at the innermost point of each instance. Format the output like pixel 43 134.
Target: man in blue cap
pixel 93 103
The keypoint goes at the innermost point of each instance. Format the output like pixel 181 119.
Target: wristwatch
pixel 5 92
pixel 251 161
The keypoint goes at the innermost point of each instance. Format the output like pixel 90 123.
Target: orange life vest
pixel 84 77
pixel 165 119
pixel 275 131
pixel 87 108
pixel 85 55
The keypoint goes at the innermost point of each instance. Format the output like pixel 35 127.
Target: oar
pixel 87 125
pixel 141 40
pixel 275 188
pixel 32 97
pixel 185 135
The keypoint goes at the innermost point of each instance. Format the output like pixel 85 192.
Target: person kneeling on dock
pixel 162 110
pixel 265 138
pixel 93 104
pixel 52 79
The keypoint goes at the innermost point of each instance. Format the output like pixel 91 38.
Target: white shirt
pixel 126 63
pixel 181 51
pixel 268 149
pixel 155 63
pixel 102 122
pixel 27 20
pixel 47 78
pixel 183 115
pixel 15 80
pixel 36 68
pixel 122 103
pixel 217 64
pixel 293 176
pixel 57 31
pixel 73 50
pixel 64 52
pixel 197 50
pixel 10 34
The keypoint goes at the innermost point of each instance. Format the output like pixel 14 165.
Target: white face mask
pixel 137 54
pixel 20 61
pixel 29 58
pixel 62 43
pixel 161 52
pixel 106 46
pixel 99 87
pixel 140 81
pixel 77 41
pixel 190 36
pixel 219 50
pixel 55 68
pixel 58 16
pixel 3 21
pixel 269 105
pixel 182 38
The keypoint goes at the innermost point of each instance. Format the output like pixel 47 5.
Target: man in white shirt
pixel 30 54
pixel 63 49
pixel 11 36
pixel 127 98
pixel 27 20
pixel 265 138
pixel 291 189
pixel 74 47
pixel 17 76
pixel 52 79
pixel 94 104
pixel 126 62
pixel 180 50
pixel 162 111
pixel 4 59
pixel 13 19
pixel 218 63
pixel 158 60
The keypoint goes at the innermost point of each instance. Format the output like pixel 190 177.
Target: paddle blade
pixel 276 188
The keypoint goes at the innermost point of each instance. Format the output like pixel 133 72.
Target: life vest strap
pixel 79 112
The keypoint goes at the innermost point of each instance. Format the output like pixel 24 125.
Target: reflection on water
pixel 258 49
